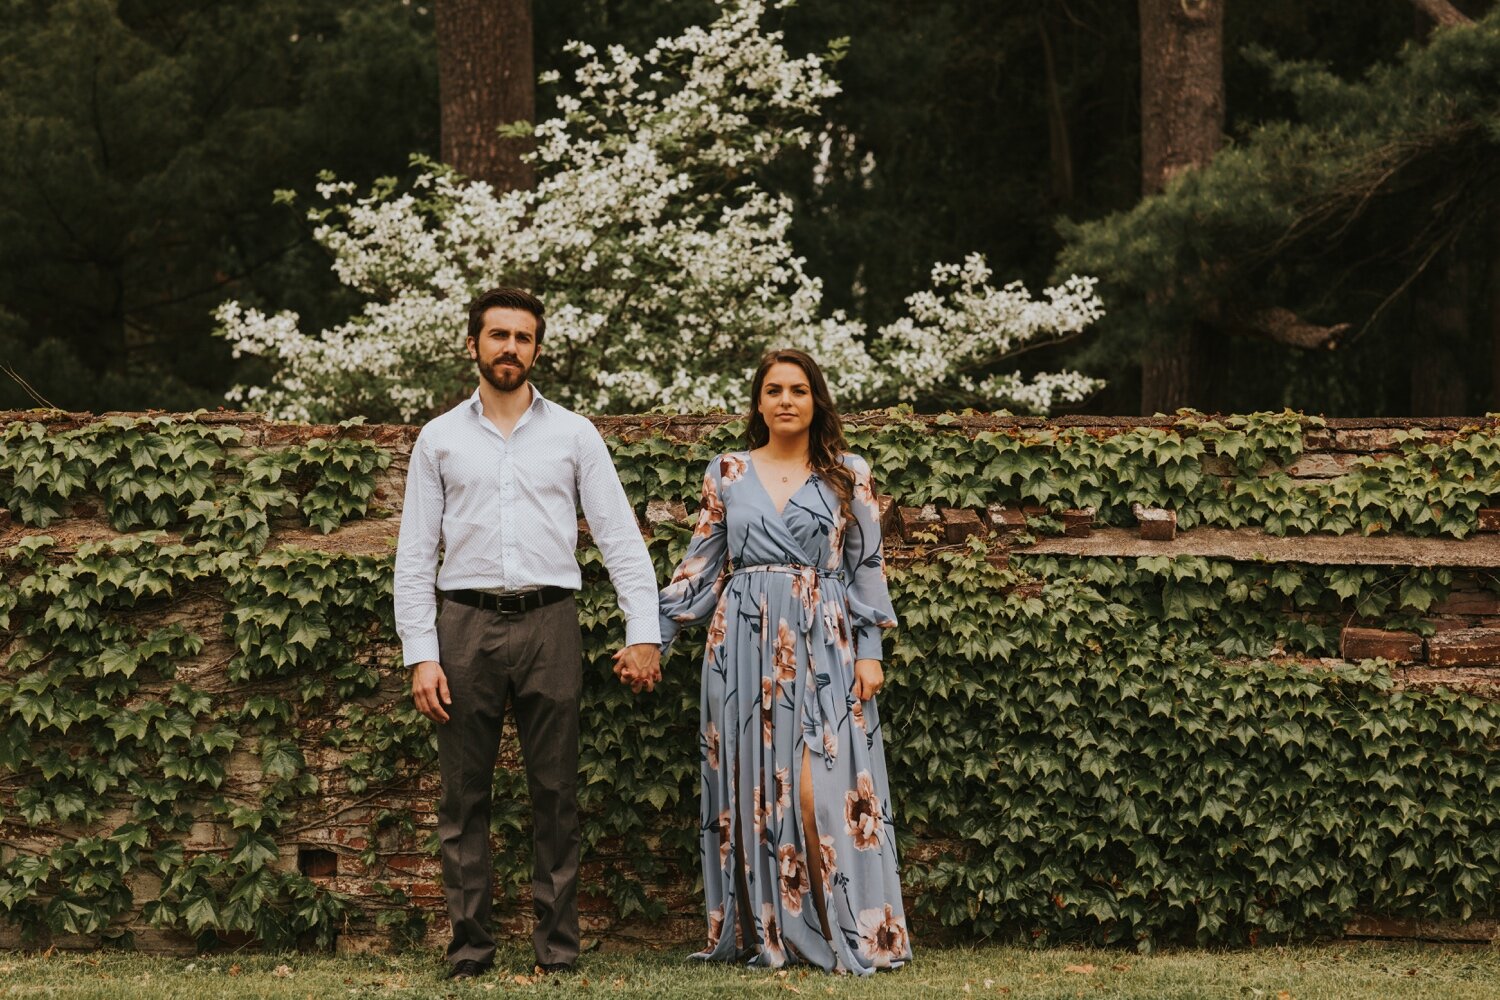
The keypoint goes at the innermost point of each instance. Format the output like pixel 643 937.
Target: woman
pixel 789 732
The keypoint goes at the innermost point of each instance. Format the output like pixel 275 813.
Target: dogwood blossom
pixel 666 268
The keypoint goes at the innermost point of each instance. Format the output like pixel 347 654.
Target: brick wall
pixel 331 837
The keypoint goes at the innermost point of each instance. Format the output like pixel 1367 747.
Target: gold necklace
pixel 788 479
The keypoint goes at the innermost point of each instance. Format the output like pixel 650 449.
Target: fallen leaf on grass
pixel 234 970
pixel 1083 969
pixel 1284 995
pixel 1120 967
pixel 282 971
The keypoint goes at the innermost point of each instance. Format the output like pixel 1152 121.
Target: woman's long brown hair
pixel 825 437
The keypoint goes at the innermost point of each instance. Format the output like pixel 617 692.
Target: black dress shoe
pixel 467 969
pixel 555 968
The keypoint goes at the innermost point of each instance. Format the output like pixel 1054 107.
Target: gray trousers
pixel 534 661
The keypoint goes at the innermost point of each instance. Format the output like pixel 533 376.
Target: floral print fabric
pixel 792 599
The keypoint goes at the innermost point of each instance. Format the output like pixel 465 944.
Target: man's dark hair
pixel 506 298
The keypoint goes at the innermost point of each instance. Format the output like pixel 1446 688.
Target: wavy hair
pixel 825 437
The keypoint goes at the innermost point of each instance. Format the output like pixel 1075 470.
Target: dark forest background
pixel 1326 239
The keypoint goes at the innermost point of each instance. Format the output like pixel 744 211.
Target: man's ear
pixel 472 347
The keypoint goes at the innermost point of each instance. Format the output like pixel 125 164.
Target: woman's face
pixel 786 399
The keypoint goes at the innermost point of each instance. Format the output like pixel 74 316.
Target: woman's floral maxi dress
pixel 801 596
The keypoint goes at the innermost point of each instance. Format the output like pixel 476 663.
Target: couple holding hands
pixel 785 566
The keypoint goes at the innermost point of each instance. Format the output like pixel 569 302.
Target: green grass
pixel 1334 972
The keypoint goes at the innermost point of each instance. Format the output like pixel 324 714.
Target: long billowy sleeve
pixel 869 598
pixel 694 591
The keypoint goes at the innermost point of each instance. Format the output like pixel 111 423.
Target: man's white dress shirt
pixel 505 511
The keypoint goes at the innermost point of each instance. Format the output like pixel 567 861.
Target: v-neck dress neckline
pixel 781 511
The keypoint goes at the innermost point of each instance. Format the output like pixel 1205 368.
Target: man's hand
pixel 429 690
pixel 639 666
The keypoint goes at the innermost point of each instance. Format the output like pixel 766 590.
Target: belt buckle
pixel 510 604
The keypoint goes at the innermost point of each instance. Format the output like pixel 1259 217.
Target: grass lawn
pixel 1331 971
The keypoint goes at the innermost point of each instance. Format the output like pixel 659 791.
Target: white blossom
pixel 666 269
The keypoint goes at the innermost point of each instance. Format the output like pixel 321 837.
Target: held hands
pixel 639 666
pixel 869 678
pixel 429 690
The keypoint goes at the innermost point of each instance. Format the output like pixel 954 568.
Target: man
pixel 498 480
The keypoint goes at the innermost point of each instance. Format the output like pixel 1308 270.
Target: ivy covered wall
pixel 205 733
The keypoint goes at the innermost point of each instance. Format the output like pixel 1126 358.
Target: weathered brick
pixel 890 523
pixel 204 837
pixel 1157 523
pixel 1323 465
pixel 1078 523
pixel 920 523
pixel 1374 643
pixel 665 512
pixel 420 866
pixel 1489 519
pixel 1468 602
pixel 1465 647
pixel 959 524
pixel 1007 520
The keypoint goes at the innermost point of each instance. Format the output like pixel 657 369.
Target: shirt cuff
pixel 642 630
pixel 867 643
pixel 420 648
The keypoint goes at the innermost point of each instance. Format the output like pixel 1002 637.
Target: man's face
pixel 506 347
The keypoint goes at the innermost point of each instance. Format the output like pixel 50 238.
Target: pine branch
pixel 1442 12
pixel 1286 327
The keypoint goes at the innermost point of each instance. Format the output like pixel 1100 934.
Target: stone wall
pixel 348 841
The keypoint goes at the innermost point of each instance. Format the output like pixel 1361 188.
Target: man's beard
pixel 502 378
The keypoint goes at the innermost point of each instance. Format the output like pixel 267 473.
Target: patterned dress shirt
pixel 505 511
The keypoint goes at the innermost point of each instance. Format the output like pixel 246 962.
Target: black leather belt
pixel 507 604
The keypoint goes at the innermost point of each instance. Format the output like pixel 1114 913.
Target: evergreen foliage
pixel 1372 185
pixel 141 144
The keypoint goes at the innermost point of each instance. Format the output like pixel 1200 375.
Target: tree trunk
pixel 485 79
pixel 1182 126
pixel 1170 372
pixel 1493 301
pixel 1058 144
pixel 1438 337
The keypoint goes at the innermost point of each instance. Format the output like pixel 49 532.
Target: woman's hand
pixel 869 678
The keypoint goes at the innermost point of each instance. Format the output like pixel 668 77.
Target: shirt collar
pixel 538 401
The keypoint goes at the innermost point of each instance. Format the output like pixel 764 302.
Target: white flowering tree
pixel 666 269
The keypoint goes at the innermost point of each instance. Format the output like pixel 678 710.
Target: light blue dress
pixel 792 599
